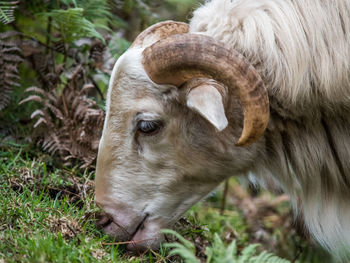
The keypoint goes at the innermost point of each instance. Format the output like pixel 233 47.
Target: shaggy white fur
pixel 302 51
pixel 301 48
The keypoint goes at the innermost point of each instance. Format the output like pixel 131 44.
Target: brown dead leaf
pixel 68 227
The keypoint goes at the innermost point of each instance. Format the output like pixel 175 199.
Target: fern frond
pixel 9 60
pixel 247 253
pixel 39 121
pixel 6 11
pixel 266 257
pixel 218 252
pixel 95 9
pixel 185 249
pixel 32 98
pixel 8 34
pixel 36 90
pixel 37 112
pixel 185 242
pixel 72 24
pixel 67 119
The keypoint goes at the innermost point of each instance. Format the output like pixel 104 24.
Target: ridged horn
pixel 159 31
pixel 179 58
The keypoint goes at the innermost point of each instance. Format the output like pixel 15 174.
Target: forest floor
pixel 48 214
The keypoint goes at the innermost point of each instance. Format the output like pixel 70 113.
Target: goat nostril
pixel 103 220
pixel 106 223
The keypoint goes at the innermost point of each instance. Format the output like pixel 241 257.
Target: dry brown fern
pixel 9 60
pixel 71 121
pixel 41 60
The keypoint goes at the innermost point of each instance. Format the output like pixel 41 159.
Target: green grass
pixel 42 218
pixel 47 214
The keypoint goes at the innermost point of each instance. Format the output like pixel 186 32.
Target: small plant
pixel 68 118
pixel 72 24
pixel 9 60
pixel 6 11
pixel 218 252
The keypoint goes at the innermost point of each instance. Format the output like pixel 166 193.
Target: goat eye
pixel 149 127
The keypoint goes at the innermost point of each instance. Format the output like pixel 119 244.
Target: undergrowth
pixel 47 214
pixel 219 252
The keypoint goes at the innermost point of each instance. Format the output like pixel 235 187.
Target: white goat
pixel 179 101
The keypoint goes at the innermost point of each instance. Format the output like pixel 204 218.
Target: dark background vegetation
pixel 56 57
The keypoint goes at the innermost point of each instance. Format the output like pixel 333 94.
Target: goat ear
pixel 207 101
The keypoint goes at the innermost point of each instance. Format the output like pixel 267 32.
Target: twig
pixel 97 88
pixel 300 250
pixel 223 200
pixel 66 191
pixel 48 29
pixel 126 242
pixel 71 229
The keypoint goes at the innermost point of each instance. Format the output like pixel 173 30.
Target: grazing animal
pixel 248 87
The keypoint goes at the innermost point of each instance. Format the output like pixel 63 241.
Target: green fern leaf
pixel 266 257
pixel 6 11
pixel 95 9
pixel 186 250
pixel 185 242
pixel 72 24
pixel 247 253
pixel 218 252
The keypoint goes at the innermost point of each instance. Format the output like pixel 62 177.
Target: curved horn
pixel 179 58
pixel 159 31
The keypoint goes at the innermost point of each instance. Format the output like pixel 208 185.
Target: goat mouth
pixel 107 220
pixel 140 226
pixel 146 235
